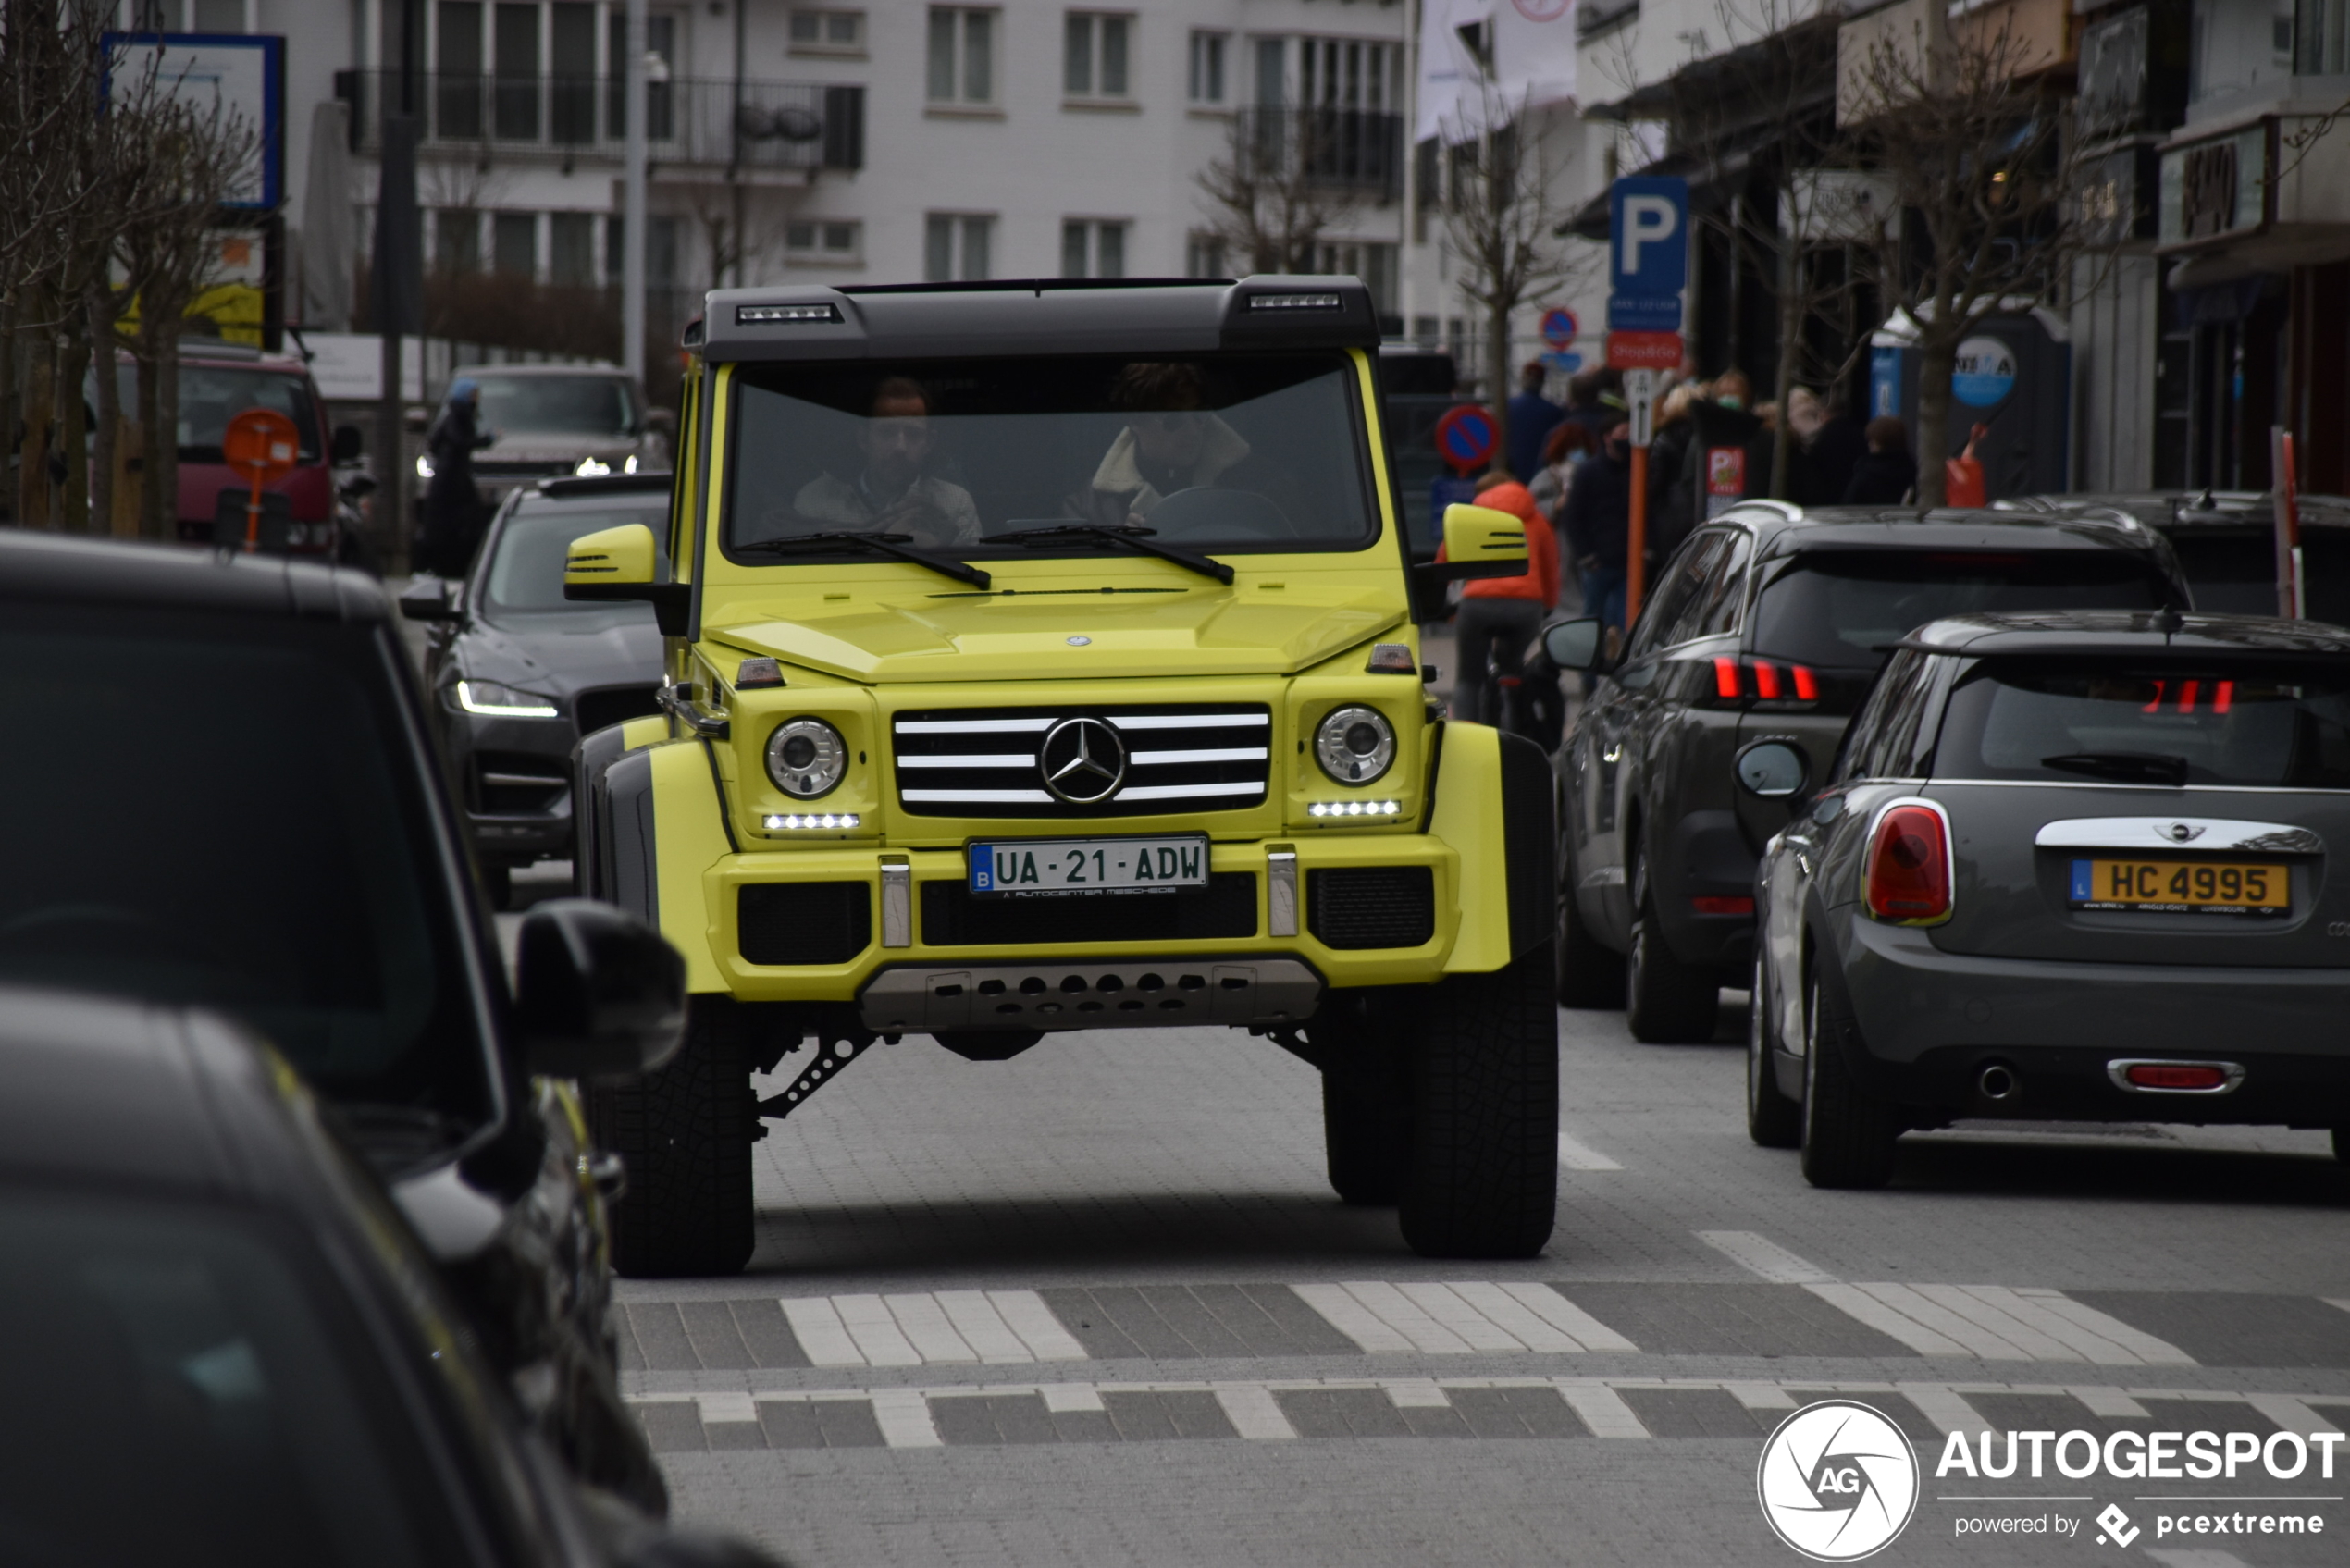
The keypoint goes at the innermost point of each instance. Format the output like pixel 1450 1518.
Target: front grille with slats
pixel 984 761
pixel 804 923
pixel 517 783
pixel 953 916
pixel 1352 907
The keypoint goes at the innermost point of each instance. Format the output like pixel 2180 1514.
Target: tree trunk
pixel 150 415
pixel 105 455
pixel 9 402
pixel 73 423
pixel 1938 355
pixel 163 445
pixel 1497 348
pixel 38 415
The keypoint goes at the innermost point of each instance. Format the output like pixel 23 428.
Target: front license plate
pixel 2194 887
pixel 1037 866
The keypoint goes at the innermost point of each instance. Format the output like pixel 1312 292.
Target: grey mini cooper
pixel 2064 866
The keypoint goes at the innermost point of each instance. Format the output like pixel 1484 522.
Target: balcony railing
pixel 1356 150
pixel 702 122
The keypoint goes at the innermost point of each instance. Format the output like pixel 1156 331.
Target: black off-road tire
pixel 1667 1002
pixel 1772 1119
pixel 684 1135
pixel 1847 1135
pixel 1483 1179
pixel 1367 1103
pixel 1590 974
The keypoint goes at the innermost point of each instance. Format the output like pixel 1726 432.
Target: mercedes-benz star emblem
pixel 1083 760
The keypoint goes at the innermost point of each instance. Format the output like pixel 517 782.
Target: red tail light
pixel 1909 880
pixel 2167 1074
pixel 1708 905
pixel 1735 678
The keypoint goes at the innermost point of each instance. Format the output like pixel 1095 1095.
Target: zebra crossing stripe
pixel 1459 1318
pixel 905 1420
pixel 917 1328
pixel 1945 1407
pixel 1254 1413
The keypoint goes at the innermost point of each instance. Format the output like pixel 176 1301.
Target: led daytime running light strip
pixel 1355 809
pixel 826 820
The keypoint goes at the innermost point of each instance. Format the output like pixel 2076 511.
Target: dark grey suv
pixel 1768 623
pixel 2067 866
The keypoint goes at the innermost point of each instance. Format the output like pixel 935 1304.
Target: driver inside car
pixel 894 493
pixel 1171 442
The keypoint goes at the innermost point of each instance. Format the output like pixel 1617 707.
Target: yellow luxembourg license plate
pixel 2194 887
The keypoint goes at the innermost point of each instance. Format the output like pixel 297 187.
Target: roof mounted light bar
pixel 775 315
pixel 1294 301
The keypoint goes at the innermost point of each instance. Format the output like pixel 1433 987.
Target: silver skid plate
pixel 1138 994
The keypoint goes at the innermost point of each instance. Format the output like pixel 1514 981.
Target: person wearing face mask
pixel 1726 419
pixel 1598 524
pixel 1172 442
pixel 892 493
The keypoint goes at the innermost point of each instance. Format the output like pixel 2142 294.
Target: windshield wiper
pixel 886 544
pixel 1120 533
pixel 2126 767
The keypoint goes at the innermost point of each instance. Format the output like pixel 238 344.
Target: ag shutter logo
pixel 1838 1481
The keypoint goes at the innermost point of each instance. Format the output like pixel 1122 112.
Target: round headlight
pixel 805 758
pixel 1354 746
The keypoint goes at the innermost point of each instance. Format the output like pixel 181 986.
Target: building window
pixel 821 239
pixel 513 244
pixel 1094 55
pixel 955 247
pixel 2323 39
pixel 456 233
pixel 1093 250
pixel 1373 262
pixel 828 33
pixel 571 247
pixel 962 56
pixel 1204 256
pixel 1207 67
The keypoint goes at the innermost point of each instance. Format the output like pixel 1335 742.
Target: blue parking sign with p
pixel 1648 252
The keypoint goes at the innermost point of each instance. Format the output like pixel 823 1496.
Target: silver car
pixel 555 420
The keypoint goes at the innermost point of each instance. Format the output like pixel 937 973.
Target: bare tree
pixel 1287 180
pixel 1963 125
pixel 1500 222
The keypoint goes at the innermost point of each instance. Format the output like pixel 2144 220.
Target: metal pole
pixel 395 223
pixel 1641 386
pixel 632 233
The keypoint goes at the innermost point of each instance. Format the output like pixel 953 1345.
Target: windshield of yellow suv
pixel 1227 453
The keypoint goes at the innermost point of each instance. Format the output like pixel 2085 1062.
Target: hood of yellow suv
pixel 1250 629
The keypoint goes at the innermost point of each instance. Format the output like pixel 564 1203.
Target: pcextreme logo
pixel 1838 1481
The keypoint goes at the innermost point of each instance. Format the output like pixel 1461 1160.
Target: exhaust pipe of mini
pixel 1998 1083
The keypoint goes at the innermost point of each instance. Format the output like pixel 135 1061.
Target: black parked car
pixel 518 673
pixel 2226 544
pixel 2067 866
pixel 222 793
pixel 1768 623
pixel 221 1347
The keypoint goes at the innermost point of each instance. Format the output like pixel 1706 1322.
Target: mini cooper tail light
pixel 1908 874
pixel 2176 1075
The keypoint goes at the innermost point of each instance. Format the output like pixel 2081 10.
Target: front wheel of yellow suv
pixel 683 1135
pixel 1483 1175
pixel 1367 1095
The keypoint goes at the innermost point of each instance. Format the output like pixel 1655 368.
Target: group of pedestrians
pixel 1569 476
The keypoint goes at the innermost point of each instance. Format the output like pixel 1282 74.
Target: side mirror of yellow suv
pixel 625 563
pixel 1482 542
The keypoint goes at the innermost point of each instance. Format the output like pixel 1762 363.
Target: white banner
pixel 1508 54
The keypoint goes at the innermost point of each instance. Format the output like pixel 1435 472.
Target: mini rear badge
pixel 2182 832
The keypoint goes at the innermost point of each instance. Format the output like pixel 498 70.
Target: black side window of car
pixel 1897 754
pixel 1720 609
pixel 1863 743
pixel 1677 586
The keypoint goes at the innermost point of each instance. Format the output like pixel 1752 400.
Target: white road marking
pixel 1944 1406
pixel 2290 1413
pixel 1602 1409
pixel 1758 1255
pixel 2111 1404
pixel 1254 1413
pixel 878 1338
pixel 2342 1301
pixel 1417 1394
pixel 1353 1319
pixel 2101 1337
pixel 982 1328
pixel 1451 1311
pixel 1987 1312
pixel 818 1328
pixel 1568 1318
pixel 1398 1311
pixel 1025 1313
pixel 923 1322
pixel 725 1407
pixel 1760 1396
pixel 1856 1302
pixel 1497 1306
pixel 904 1417
pixel 1576 1156
pixel 1070 1398
pixel 2195 1557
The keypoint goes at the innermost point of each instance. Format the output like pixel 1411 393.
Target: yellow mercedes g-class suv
pixel 1044 657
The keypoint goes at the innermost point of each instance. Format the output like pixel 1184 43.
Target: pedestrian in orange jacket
pixel 1499 616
